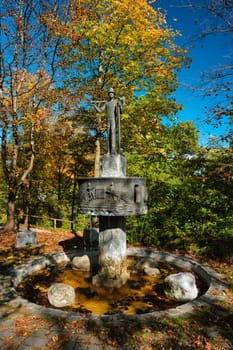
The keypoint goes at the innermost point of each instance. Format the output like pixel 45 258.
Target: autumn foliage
pixel 62 55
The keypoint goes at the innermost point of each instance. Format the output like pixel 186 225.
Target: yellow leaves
pixel 148 136
pixel 160 150
pixel 125 116
pixel 10 257
pixel 41 288
pixel 130 17
pixel 6 102
pixel 55 338
pixel 40 112
pixel 30 85
pixel 159 50
pixel 131 67
pixel 133 45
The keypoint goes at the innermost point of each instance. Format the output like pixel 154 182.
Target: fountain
pixel 111 197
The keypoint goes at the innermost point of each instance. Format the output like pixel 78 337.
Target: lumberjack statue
pixel 111 196
pixel 113 109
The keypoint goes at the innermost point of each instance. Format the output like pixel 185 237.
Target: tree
pixel 125 45
pixel 216 82
pixel 167 168
pixel 3 196
pixel 190 190
pixel 27 69
pixel 219 79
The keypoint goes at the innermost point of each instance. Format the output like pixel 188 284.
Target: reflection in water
pixel 141 294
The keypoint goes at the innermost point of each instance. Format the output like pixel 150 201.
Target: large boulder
pixel 61 295
pixel 180 286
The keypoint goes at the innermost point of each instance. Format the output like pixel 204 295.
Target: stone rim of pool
pixel 215 290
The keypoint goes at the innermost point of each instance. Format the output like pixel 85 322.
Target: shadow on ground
pixel 206 330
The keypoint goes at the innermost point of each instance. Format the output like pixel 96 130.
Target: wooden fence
pixel 54 220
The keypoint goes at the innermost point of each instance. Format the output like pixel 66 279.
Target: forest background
pixel 56 57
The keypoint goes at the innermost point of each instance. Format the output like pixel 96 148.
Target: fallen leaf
pixel 55 338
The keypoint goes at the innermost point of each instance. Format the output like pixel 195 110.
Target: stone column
pixel 111 197
pixel 112 259
pixel 112 237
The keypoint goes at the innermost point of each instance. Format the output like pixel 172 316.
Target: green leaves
pixel 190 193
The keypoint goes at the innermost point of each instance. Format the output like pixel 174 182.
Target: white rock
pixel 144 264
pixel 61 295
pixel 180 286
pixel 81 263
pixel 152 271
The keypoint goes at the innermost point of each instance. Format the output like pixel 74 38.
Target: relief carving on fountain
pixel 117 197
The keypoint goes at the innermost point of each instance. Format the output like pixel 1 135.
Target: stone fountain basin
pixel 215 287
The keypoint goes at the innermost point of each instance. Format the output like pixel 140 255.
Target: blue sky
pixel 207 53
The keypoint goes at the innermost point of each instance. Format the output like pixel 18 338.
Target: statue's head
pixel 111 92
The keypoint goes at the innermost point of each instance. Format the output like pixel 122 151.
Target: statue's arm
pixel 100 109
pixel 122 100
pixel 97 108
pixel 121 103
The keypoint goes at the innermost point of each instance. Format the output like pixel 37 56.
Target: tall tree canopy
pixel 121 44
pixel 27 69
pixel 125 45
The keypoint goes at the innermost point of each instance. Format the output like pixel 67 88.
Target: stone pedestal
pixel 113 165
pixel 112 259
pixel 111 197
pixel 112 239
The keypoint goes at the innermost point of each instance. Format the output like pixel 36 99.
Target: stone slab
pixel 25 238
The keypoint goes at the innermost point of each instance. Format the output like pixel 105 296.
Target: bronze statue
pixel 113 109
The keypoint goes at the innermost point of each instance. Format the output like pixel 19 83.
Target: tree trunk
pixel 10 223
pixel 97 158
pixel 94 219
pixel 26 217
pixel 72 226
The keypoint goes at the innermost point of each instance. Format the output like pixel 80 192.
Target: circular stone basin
pixel 140 294
pixel 206 276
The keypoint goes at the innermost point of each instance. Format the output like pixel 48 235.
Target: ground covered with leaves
pixel 210 329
